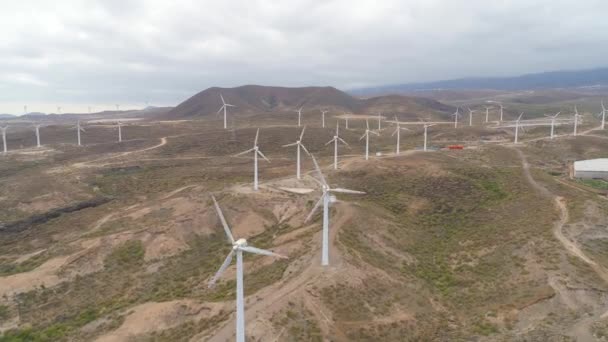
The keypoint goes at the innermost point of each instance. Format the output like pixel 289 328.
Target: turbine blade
pixel 314 209
pixel 223 220
pixel 223 102
pixel 344 142
pixel 347 191
pixel 321 177
pixel 396 129
pixel 288 145
pixel 304 148
pixel 329 142
pixel 219 110
pixel 302 134
pixel 229 105
pixel 255 142
pixel 364 134
pixel 255 250
pixel 244 152
pixel 263 156
pixel 223 268
pixel 374 132
pixel 367 123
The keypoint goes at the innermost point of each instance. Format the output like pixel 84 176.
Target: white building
pixel 592 168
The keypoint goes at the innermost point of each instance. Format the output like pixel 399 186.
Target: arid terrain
pixel 116 241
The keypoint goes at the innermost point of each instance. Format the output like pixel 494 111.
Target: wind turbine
pixel 426 127
pixel 25 109
pixel 38 136
pixel 78 130
pixel 323 117
pixel 346 121
pixel 238 247
pixel 379 121
pixel 4 138
pixel 89 109
pixel 326 197
pixel 501 111
pixel 335 140
pixel 471 116
pixel 299 111
pixel 58 110
pixel 223 107
pixel 456 115
pixel 255 149
pixel 603 115
pixel 366 136
pixel 119 131
pixel 553 118
pixel 299 145
pixel 117 107
pixel 517 128
pixel 487 113
pixel 576 116
pixel 398 132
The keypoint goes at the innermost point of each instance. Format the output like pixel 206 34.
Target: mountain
pixel 543 80
pixel 6 116
pixel 255 99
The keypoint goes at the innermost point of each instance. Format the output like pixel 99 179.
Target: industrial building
pixel 591 169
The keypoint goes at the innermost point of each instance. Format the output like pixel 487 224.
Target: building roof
pixel 600 164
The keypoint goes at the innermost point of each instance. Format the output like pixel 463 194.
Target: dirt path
pixel 163 142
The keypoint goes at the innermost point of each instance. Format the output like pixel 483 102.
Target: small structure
pixel 591 169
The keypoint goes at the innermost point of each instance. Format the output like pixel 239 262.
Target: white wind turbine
pixel 58 110
pixel 323 112
pixel 223 107
pixel 379 121
pixel 117 107
pixel 78 130
pixel 119 124
pixel 238 247
pixel 501 111
pixel 553 118
pixel 471 116
pixel 38 136
pixel 456 115
pixel 25 109
pixel 398 132
pixel 576 116
pixel 426 127
pixel 487 113
pixel 299 145
pixel 4 128
pixel 603 115
pixel 346 122
pixel 517 128
pixel 299 111
pixel 326 197
pixel 256 151
pixel 335 140
pixel 366 136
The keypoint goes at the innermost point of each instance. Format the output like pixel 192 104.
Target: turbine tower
pixel 487 113
pixel 78 130
pixel 326 197
pixel 398 132
pixel 471 116
pixel 576 116
pixel 25 109
pixel 58 110
pixel 4 128
pixel 517 129
pixel 299 111
pixel 603 115
pixel 117 107
pixel 119 124
pixel 456 115
pixel 298 145
pixel 346 122
pixel 38 136
pixel 426 127
pixel 335 140
pixel 238 247
pixel 323 112
pixel 553 118
pixel 256 151
pixel 379 121
pixel 501 111
pixel 366 136
pixel 223 107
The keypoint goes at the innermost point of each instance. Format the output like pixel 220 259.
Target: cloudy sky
pixel 74 53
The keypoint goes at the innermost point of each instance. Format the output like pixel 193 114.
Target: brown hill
pixel 254 99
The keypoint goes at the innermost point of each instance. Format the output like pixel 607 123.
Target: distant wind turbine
pixel 299 111
pixel 298 145
pixel 4 128
pixel 398 132
pixel 326 197
pixel 501 111
pixel 576 116
pixel 426 127
pixel 119 124
pixel 256 151
pixel 335 140
pixel 78 130
pixel 346 122
pixel 38 136
pixel 89 109
pixel 553 118
pixel 25 109
pixel 238 247
pixel 517 128
pixel 603 115
pixel 58 110
pixel 487 113
pixel 471 116
pixel 117 107
pixel 323 112
pixel 223 107
pixel 366 136
pixel 456 115
pixel 379 121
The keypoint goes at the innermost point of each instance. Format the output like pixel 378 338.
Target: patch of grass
pixel 599 184
pixel 130 253
pixel 7 269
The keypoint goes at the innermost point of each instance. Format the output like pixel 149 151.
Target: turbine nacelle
pixel 239 243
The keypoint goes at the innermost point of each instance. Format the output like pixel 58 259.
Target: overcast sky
pixel 74 53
